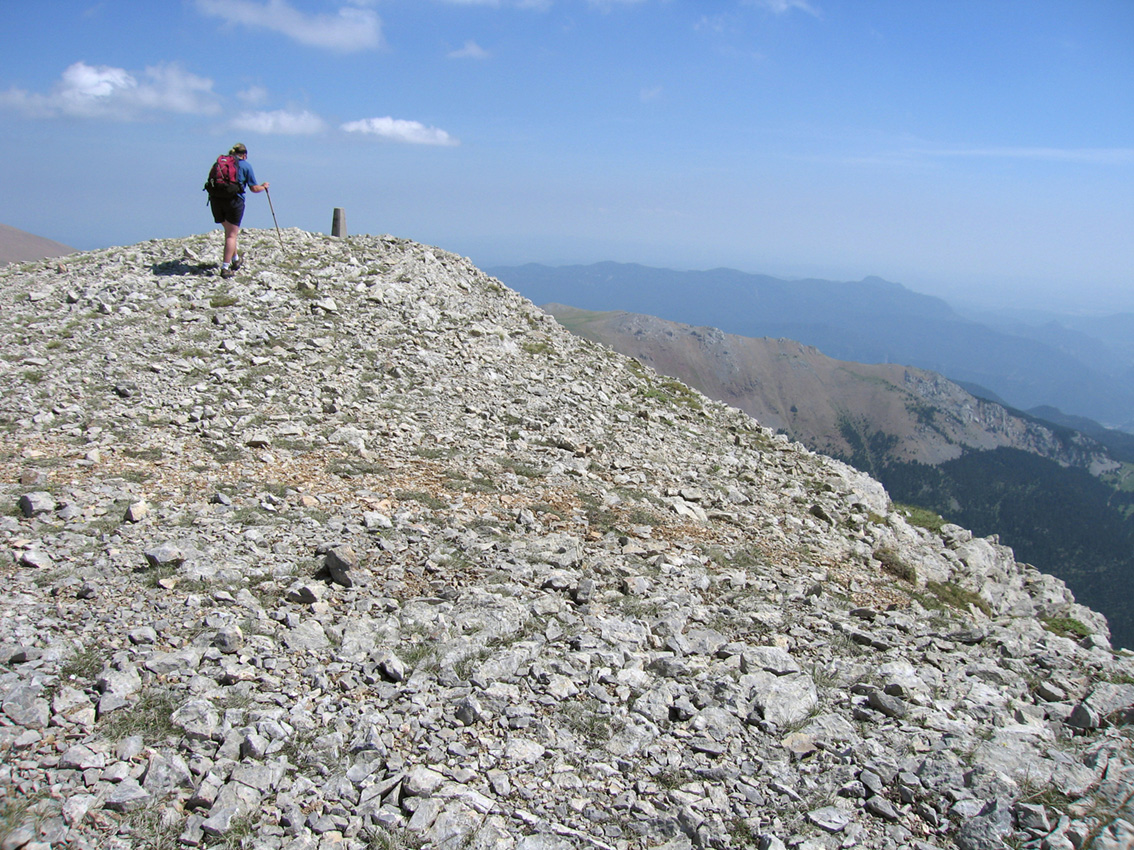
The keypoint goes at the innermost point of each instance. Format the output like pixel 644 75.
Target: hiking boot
pixel 227 273
pixel 237 262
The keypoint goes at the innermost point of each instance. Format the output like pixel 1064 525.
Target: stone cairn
pixel 360 549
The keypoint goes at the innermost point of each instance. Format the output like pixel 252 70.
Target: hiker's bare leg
pixel 231 231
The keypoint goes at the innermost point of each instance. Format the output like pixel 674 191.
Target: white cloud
pixel 352 28
pixel 399 130
pixel 280 122
pixel 781 7
pixel 647 95
pixel 253 95
pixel 714 23
pixel 471 50
pixel 174 90
pixel 102 91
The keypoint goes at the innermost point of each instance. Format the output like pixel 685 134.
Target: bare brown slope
pixel 817 400
pixel 18 246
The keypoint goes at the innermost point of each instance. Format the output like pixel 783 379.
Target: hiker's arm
pixel 248 177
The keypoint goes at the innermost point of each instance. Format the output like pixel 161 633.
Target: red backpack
pixel 224 180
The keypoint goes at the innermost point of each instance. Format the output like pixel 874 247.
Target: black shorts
pixel 228 209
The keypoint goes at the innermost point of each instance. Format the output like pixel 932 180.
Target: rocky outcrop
pixel 362 549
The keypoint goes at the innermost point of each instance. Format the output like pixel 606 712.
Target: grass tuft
pixel 148 717
pixel 894 565
pixel 958 597
pixel 922 518
pixel 1067 627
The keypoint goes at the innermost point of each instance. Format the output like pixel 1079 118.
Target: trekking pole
pixel 273 209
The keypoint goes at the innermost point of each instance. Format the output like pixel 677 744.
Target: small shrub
pixel 521 469
pixel 673 778
pixel 152 832
pixel 921 517
pixel 353 467
pixel 83 666
pixel 465 666
pixel 742 833
pixel 1046 795
pixel 958 597
pixel 144 454
pixel 583 718
pixel 894 565
pixel 422 498
pixel 297 749
pixel 463 484
pixel 223 299
pixel 432 452
pixel 148 717
pixel 19 813
pixel 381 838
pixel 1067 627
pixel 416 654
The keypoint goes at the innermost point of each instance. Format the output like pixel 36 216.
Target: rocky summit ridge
pixel 360 549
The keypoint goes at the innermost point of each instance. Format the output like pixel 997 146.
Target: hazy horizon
pixel 980 298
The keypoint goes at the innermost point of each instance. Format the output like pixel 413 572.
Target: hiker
pixel 226 197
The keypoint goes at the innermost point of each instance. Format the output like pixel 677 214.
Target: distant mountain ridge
pixel 823 402
pixel 868 321
pixel 18 246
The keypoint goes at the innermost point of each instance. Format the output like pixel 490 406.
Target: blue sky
pixel 977 150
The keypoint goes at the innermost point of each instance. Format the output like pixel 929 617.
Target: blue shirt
pixel 244 175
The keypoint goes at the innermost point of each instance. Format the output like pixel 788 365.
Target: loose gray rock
pixel 888 705
pixel 829 819
pixel 36 503
pixel 117 688
pixel 339 562
pixel 25 706
pixel 127 796
pixel 987 829
pixel 229 639
pixel 165 555
pixel 594 610
pixel 137 512
pixel 166 774
pixel 36 560
pixel 197 719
